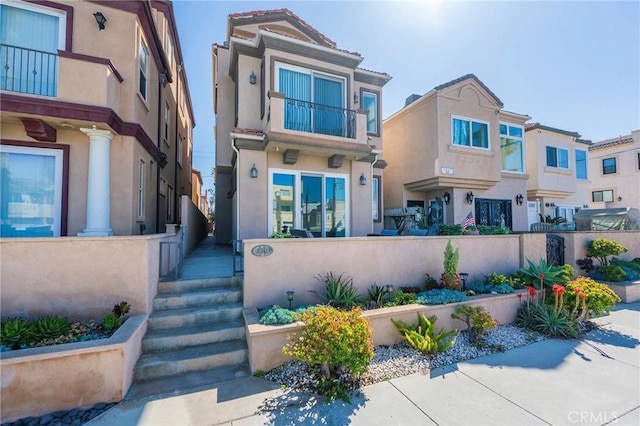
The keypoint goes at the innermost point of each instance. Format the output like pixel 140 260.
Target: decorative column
pixel 98 184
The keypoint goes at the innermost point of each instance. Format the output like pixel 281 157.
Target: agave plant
pixel 423 336
pixel 542 275
pixel 339 290
pixel 51 327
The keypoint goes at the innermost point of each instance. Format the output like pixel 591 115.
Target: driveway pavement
pixel 592 381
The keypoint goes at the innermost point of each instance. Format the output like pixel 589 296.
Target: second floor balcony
pixel 28 71
pixel 312 117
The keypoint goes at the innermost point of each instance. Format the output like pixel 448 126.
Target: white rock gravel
pixel 401 359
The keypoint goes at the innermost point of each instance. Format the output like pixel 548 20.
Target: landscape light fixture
pixel 363 179
pixel 464 277
pixel 253 172
pixel 252 78
pixel 519 199
pixel 470 197
pixel 447 198
pixel 290 294
pixel 100 19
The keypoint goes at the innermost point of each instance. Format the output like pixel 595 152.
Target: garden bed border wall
pixel 265 342
pixel 37 381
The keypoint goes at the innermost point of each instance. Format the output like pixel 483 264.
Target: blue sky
pixel 567 64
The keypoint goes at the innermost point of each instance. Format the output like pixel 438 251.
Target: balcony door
pixel 30 36
pixel 313 201
pixel 314 101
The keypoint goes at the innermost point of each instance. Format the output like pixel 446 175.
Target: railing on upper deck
pixel 28 71
pixel 311 117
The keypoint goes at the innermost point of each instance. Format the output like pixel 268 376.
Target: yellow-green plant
pixel 602 248
pixel 332 339
pixel 450 277
pixel 589 296
pixel 423 336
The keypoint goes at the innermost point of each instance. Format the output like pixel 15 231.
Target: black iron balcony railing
pixel 316 118
pixel 28 70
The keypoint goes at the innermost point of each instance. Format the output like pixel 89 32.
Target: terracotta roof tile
pixel 286 12
pixel 251 132
pixel 466 77
pixel 609 143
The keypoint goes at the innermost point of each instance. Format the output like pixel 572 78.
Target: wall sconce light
pixel 519 199
pixel 619 198
pixel 356 99
pixel 470 197
pixel 363 179
pixel 447 198
pixel 252 78
pixel 290 294
pixel 464 277
pixel 100 19
pixel 253 172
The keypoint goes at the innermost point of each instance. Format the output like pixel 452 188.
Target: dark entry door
pixel 493 212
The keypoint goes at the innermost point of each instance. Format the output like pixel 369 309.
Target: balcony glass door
pixel 29 42
pixel 296 87
pixel 312 201
pixel 327 115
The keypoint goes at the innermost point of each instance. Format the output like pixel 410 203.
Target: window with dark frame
pixel 557 157
pixel 605 195
pixel 143 70
pixel 608 166
pixel 370 104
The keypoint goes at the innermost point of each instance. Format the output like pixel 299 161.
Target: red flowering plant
pixel 542 275
pixel 558 293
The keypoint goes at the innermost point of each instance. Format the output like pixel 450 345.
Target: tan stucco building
pixel 614 169
pixel 298 131
pixel 96 118
pixel 457 143
pixel 559 179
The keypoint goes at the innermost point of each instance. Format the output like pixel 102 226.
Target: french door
pixel 493 212
pixel 313 201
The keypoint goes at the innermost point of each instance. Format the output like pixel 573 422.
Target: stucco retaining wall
pixel 265 342
pixel 627 291
pixel 79 277
pixel 38 381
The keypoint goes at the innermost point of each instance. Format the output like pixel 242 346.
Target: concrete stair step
pixel 192 335
pixel 183 383
pixel 174 318
pixel 196 358
pixel 218 295
pixel 179 286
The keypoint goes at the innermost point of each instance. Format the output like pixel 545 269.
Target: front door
pixel 493 212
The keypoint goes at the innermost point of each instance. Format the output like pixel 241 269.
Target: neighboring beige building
pixel 198 195
pixel 298 131
pixel 96 118
pixel 559 179
pixel 456 142
pixel 614 170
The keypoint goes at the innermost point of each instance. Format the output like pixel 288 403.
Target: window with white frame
pixel 604 195
pixel 141 190
pixel 471 133
pixel 370 104
pixel 511 138
pixel 144 70
pixel 581 164
pixel 557 157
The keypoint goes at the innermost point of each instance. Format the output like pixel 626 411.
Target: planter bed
pixel 265 342
pixel 627 291
pixel 42 380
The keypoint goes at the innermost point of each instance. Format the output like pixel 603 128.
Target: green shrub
pixel 332 339
pixel 450 277
pixel 478 321
pixel 602 248
pixel 567 272
pixel 423 336
pixel 450 230
pixel 50 327
pixel 402 298
pixel 493 230
pixel 612 273
pixel 338 291
pixel 599 298
pixel 16 332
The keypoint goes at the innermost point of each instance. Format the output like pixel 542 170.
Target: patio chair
pixel 300 233
pixel 389 233
pixel 418 232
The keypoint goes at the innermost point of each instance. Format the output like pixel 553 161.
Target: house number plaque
pixel 262 250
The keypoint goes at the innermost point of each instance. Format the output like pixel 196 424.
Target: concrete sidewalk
pixel 593 381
